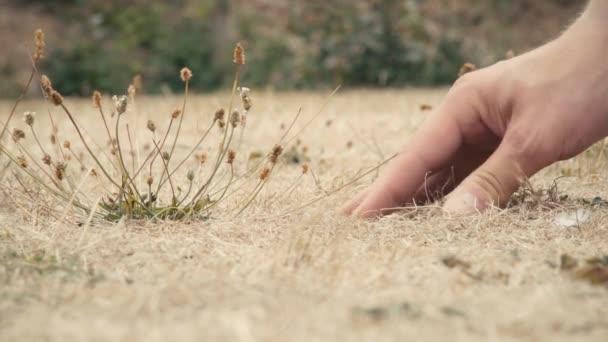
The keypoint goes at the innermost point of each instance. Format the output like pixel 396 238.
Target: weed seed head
pixel 22 162
pixel 18 134
pixel 132 91
pixel 151 126
pixel 165 155
pixel 46 159
pixel 120 103
pixel 60 170
pixel 176 113
pixel 67 144
pixel 467 68
pixel 47 86
pixel 239 54
pixel 231 156
pixel 137 82
pixel 235 118
pixel 39 44
pixel 202 157
pixel 56 98
pixel 97 99
pixel 190 175
pixel 29 117
pixel 247 103
pixel 219 115
pixel 264 172
pixel 277 150
pixel 304 168
pixel 185 74
pixel 150 180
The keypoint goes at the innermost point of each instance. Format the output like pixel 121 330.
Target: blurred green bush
pixel 298 44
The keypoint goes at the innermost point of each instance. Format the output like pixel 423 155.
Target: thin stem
pixel 19 99
pixel 122 161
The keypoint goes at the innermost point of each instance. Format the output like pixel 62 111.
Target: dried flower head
pixel 264 172
pixel 151 126
pixel 137 82
pixel 425 107
pixel 56 98
pixel 22 161
pixel 120 103
pixel 132 91
pixel 66 144
pixel 29 117
pixel 166 155
pixel 54 138
pixel 467 68
pixel 176 113
pixel 185 74
pixel 231 156
pixel 276 152
pixel 190 175
pixel 97 99
pixel 39 44
pixel 202 157
pixel 47 86
pixel 93 173
pixel 221 123
pixel 305 168
pixel 60 170
pixel 219 114
pixel 18 134
pixel 46 159
pixel 239 54
pixel 235 118
pixel 247 102
pixel 149 180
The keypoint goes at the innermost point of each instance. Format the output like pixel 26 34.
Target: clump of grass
pixel 84 180
pixel 100 183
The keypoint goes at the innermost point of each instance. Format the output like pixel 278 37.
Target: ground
pixel 274 274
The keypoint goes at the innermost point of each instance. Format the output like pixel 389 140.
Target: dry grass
pixel 311 275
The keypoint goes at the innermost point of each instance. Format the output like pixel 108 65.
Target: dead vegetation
pixel 288 267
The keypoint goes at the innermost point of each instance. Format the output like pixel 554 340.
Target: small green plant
pixel 62 176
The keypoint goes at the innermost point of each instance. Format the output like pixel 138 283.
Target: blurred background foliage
pixel 101 44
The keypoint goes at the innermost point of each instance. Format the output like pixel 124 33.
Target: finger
pixel 439 184
pixel 354 203
pixel 493 183
pixel 430 149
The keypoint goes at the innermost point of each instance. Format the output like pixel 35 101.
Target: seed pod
pixel 231 156
pixel 29 117
pixel 151 126
pixel 235 118
pixel 46 159
pixel 56 98
pixel 239 54
pixel 185 74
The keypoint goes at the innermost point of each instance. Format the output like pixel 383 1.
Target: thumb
pixel 493 183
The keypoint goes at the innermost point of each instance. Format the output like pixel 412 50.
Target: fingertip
pixel 353 204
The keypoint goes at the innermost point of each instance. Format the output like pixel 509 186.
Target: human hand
pixel 501 125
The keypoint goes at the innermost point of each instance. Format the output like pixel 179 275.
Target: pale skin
pixel 500 125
